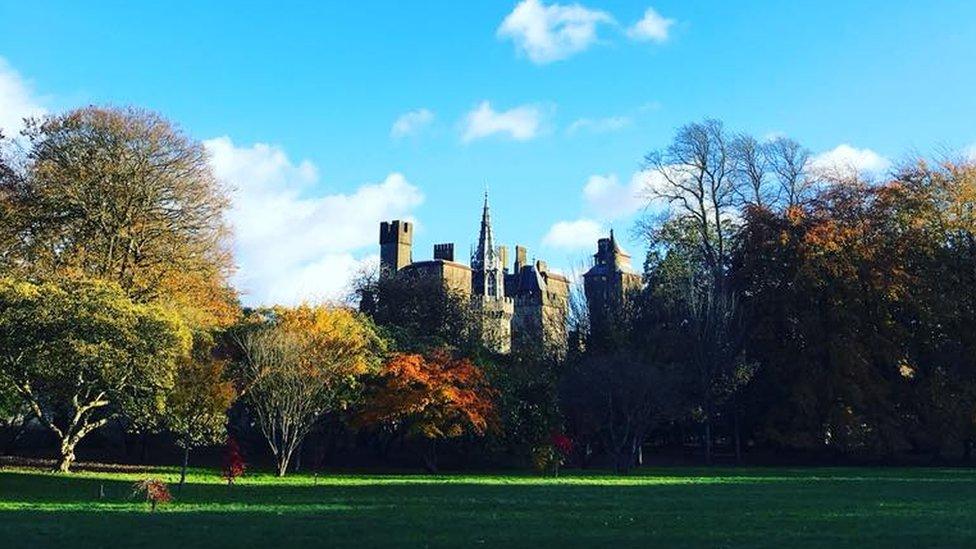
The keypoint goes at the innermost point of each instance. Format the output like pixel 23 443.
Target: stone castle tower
pixel 609 281
pixel 396 240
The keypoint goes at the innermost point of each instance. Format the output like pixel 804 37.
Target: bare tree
pixel 697 179
pixel 751 167
pixel 303 364
pixel 284 401
pixel 704 175
pixel 789 161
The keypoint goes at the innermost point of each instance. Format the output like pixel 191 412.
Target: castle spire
pixel 485 265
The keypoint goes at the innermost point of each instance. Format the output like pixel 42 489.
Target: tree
pixel 824 288
pixel 696 178
pixel 790 163
pixel 703 176
pixel 124 196
pixel 196 408
pixel 419 313
pixel 431 397
pixel 81 352
pixel 526 399
pixel 13 415
pixel 301 364
pixel 751 166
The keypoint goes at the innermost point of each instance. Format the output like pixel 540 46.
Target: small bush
pixel 155 490
pixel 550 455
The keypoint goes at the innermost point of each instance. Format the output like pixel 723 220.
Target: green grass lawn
pixel 670 507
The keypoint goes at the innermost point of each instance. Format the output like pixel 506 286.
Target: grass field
pixel 672 507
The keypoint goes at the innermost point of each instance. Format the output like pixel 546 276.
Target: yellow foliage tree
pixel 301 363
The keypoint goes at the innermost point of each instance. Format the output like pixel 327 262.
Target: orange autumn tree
pixel 432 396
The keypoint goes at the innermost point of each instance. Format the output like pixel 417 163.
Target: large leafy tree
pixel 430 397
pixel 299 364
pixel 80 352
pixel 831 301
pixel 120 195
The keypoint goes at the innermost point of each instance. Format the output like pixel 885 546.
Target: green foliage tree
pixel 196 408
pixel 81 352
pixel 526 400
pixel 419 313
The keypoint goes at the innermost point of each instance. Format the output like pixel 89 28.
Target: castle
pixel 524 308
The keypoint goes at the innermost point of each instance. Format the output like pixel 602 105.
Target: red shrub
pixel 234 465
pixel 155 490
pixel 562 443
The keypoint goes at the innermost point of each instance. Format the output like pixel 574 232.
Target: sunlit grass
pixel 771 507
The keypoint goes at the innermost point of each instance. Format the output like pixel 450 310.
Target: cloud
pixel 845 160
pixel 651 28
pixel 547 33
pixel 608 199
pixel 291 244
pixel 599 125
pixel 17 100
pixel 410 123
pixel 969 153
pixel 520 123
pixel 572 235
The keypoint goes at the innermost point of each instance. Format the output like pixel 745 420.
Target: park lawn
pixel 668 507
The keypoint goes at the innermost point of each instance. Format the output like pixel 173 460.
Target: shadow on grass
pixel 838 507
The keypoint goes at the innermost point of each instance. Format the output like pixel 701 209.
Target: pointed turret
pixel 487 270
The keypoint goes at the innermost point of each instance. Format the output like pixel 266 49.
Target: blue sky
pixel 552 105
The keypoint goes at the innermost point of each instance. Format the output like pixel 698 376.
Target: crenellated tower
pixel 396 241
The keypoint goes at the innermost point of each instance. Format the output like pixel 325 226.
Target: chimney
pixel 519 258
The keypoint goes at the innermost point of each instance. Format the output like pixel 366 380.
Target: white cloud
pixel 651 28
pixel 291 245
pixel 608 199
pixel 520 123
pixel 599 125
pixel 573 235
pixel 969 153
pixel 410 123
pixel 547 33
pixel 17 100
pixel 845 160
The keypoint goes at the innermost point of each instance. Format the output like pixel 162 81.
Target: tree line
pixel 784 308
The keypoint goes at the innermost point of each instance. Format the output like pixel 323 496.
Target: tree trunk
pixel 186 460
pixel 67 456
pixel 144 452
pixel 708 439
pixel 430 456
pixel 735 429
